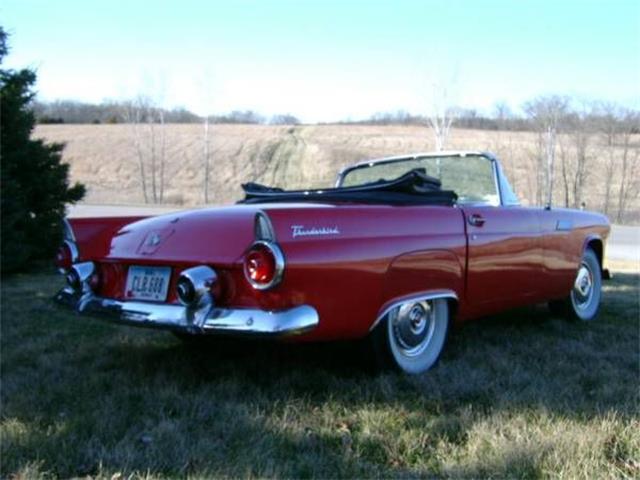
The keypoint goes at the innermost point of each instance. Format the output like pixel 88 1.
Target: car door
pixel 505 259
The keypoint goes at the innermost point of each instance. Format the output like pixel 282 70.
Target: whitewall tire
pixel 412 336
pixel 583 302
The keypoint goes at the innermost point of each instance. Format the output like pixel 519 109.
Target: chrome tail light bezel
pixel 279 264
pixel 69 243
pixel 73 256
pixel 265 238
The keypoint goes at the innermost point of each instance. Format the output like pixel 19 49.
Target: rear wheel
pixel 583 302
pixel 412 336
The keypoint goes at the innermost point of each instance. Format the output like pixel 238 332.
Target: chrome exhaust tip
pixel 193 288
pixel 79 275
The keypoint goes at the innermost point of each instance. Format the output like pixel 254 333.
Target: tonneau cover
pixel 413 188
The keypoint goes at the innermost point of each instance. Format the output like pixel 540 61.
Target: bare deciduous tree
pixel 441 115
pixel 502 113
pixel 609 126
pixel 580 126
pixel 149 145
pixel 546 113
pixel 564 170
pixel 630 165
pixel 205 159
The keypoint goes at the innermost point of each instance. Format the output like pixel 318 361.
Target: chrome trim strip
pixel 564 225
pixel 419 297
pixel 252 321
pixel 208 320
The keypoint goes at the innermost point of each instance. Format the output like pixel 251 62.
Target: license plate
pixel 148 283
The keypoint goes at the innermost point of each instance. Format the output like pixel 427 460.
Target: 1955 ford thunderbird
pixel 397 251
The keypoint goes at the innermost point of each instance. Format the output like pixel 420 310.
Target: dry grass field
pixel 104 157
pixel 520 395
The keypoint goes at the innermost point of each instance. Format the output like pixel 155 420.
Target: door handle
pixel 476 220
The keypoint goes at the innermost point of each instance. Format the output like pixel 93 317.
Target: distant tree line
pixel 501 118
pixel 569 133
pixel 111 112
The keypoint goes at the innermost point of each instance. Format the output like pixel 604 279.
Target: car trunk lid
pixel 211 235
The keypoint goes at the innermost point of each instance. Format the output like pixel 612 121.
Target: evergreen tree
pixel 34 183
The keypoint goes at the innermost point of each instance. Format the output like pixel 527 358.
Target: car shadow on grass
pixel 520 358
pixel 85 397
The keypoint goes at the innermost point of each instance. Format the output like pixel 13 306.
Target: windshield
pixel 471 177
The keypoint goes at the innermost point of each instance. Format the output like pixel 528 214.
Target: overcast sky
pixel 327 60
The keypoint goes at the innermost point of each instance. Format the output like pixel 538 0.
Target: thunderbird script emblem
pixel 302 231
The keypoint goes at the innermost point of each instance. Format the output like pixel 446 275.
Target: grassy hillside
pixel 104 157
pixel 521 395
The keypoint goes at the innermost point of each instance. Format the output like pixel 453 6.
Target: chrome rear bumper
pixel 206 320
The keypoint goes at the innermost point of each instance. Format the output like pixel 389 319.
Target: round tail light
pixel 263 265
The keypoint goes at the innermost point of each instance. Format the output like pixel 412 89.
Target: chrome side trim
pixel 251 321
pixel 419 297
pixel 203 321
pixel 564 225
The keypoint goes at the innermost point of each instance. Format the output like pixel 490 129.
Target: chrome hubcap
pixel 583 287
pixel 413 325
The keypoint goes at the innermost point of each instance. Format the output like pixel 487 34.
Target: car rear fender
pixel 596 243
pixel 426 275
pixel 92 236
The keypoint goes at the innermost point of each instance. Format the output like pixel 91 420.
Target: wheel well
pixel 453 308
pixel 447 295
pixel 596 246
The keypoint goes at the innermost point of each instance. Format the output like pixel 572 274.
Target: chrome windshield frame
pixel 495 165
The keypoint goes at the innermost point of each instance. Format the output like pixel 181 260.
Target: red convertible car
pixel 398 250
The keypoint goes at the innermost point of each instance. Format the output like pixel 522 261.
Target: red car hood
pixel 220 235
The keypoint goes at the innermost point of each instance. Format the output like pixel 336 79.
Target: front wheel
pixel 412 336
pixel 583 302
